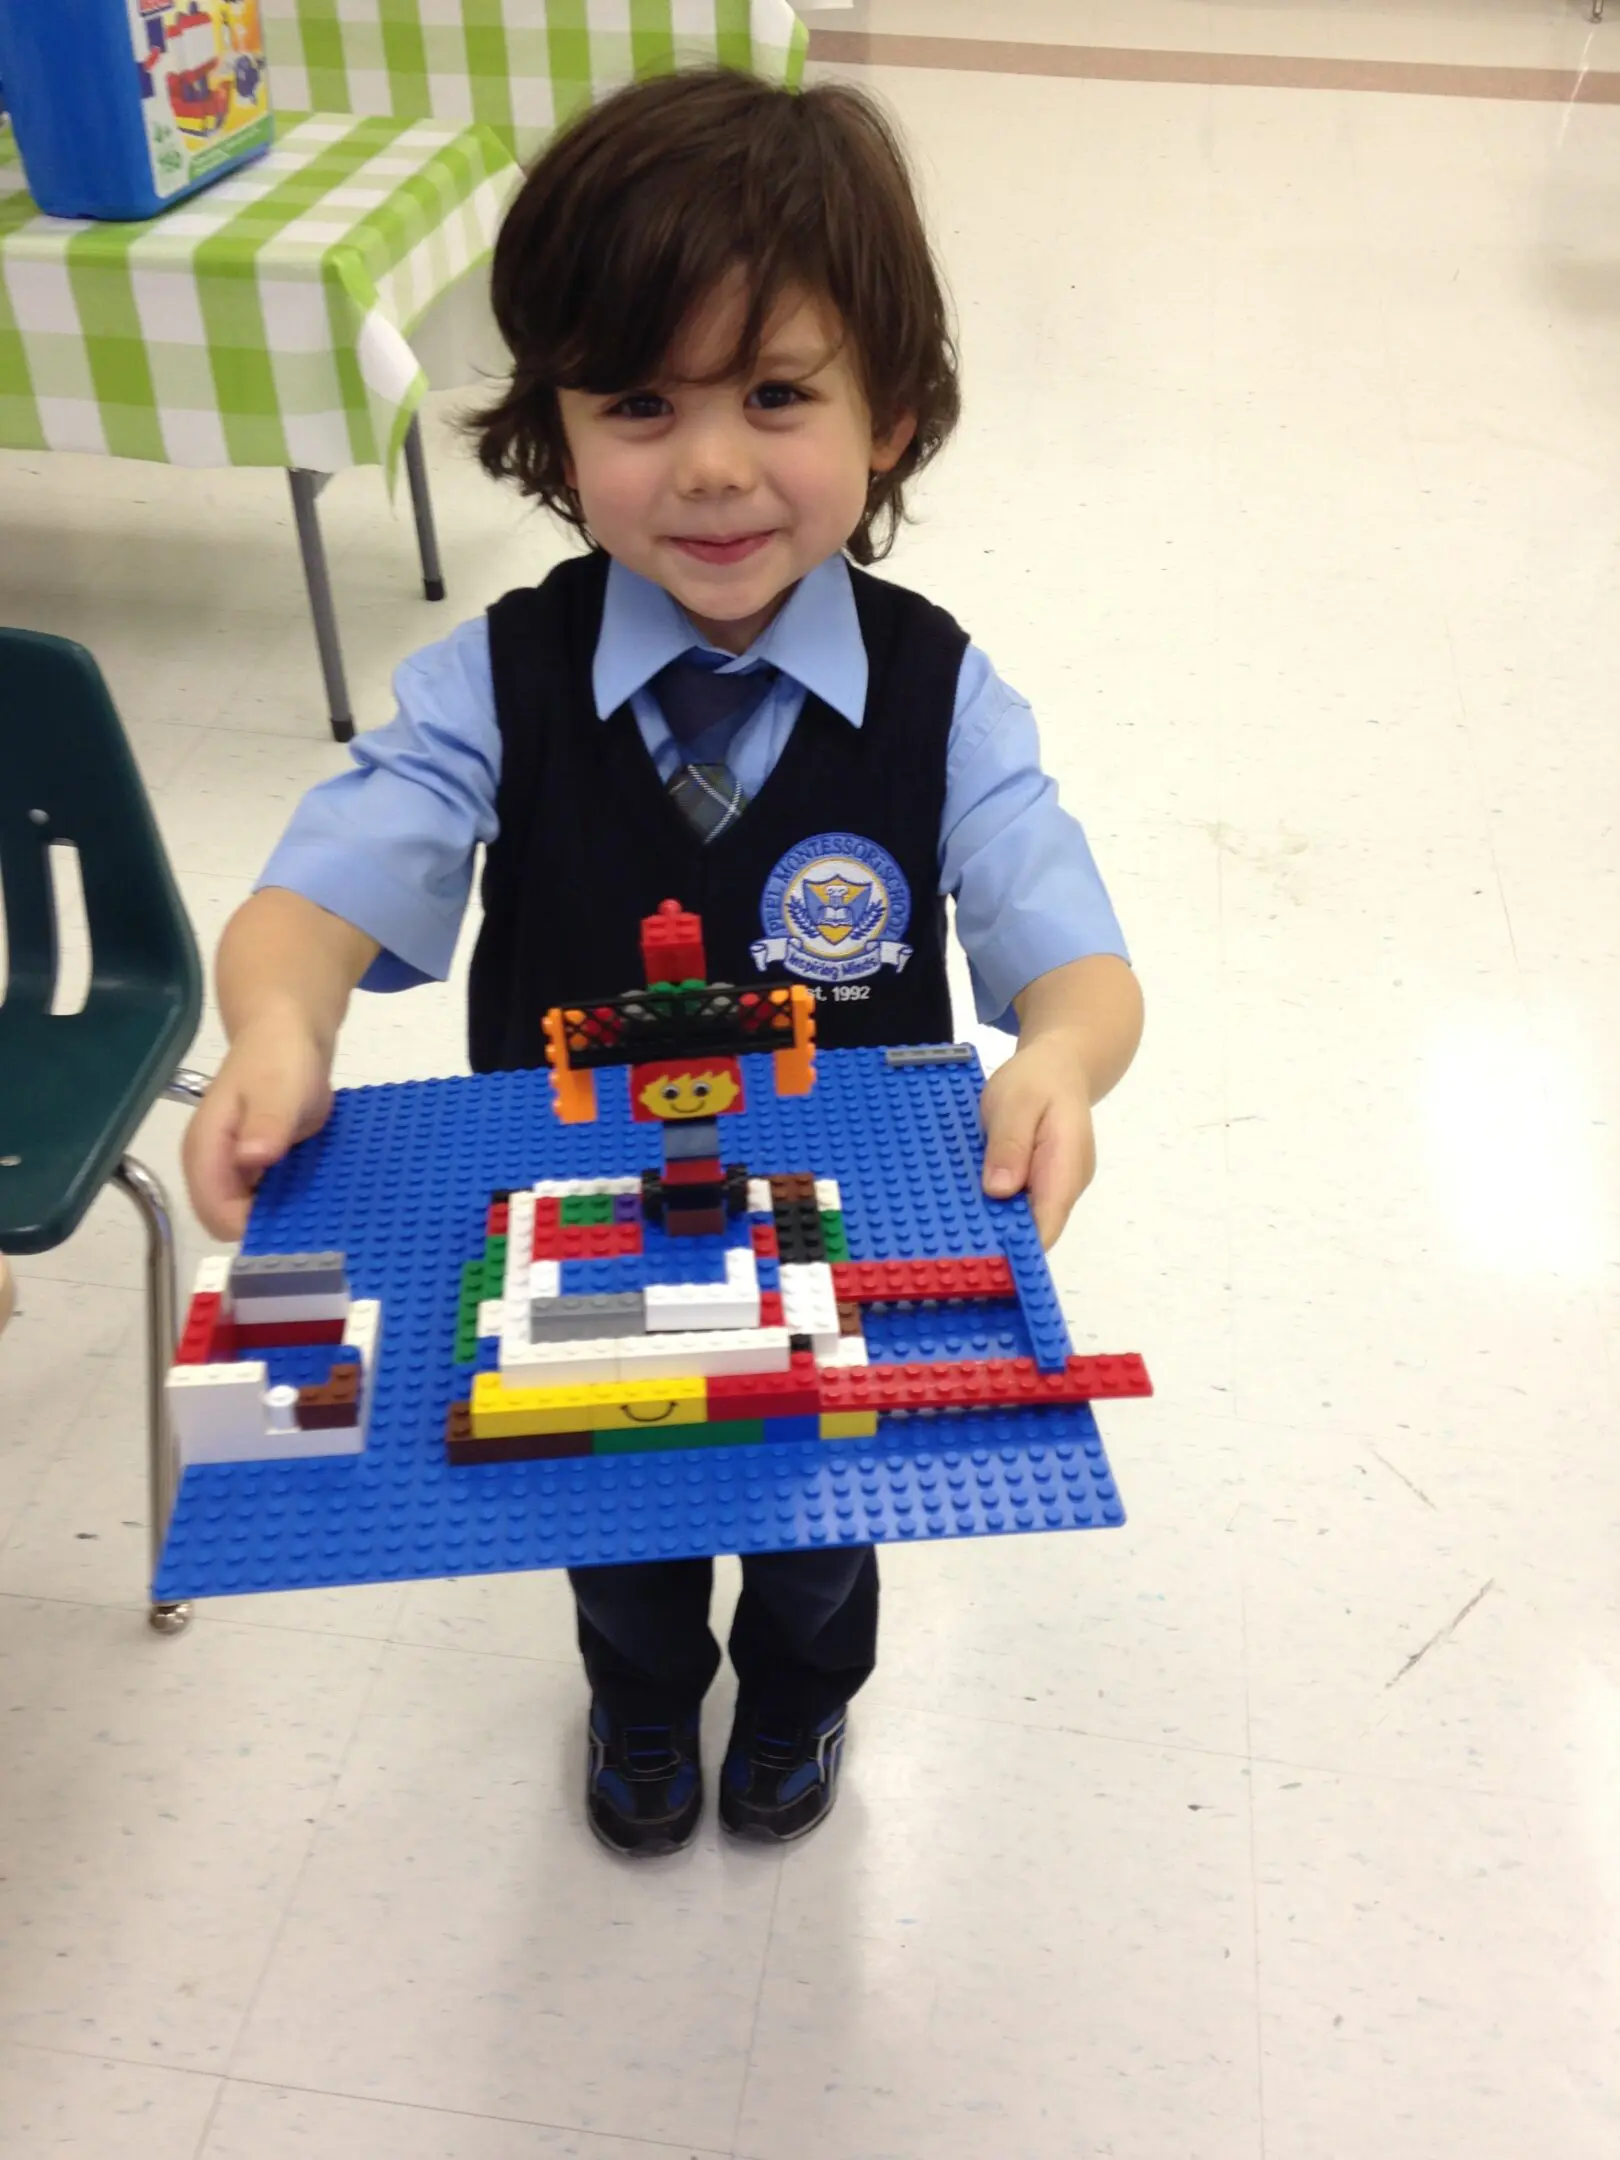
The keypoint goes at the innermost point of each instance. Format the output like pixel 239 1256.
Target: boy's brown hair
pixel 636 213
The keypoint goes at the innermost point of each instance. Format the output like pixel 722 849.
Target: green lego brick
pixel 833 1235
pixel 737 1432
pixel 467 1303
pixel 588 1210
pixel 495 1268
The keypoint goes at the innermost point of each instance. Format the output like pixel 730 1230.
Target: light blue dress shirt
pixel 390 845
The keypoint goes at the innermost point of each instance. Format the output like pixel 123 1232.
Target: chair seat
pixel 73 1090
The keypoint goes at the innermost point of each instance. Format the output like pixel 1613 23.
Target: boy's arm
pixel 284 973
pixel 1078 1028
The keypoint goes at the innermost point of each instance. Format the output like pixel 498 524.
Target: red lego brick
pixel 202 1321
pixel 770 1309
pixel 672 945
pixel 795 1393
pixel 495 1222
pixel 893 1282
pixel 588 1241
pixel 763 1234
pixel 703 1170
pixel 983 1384
pixel 286 1334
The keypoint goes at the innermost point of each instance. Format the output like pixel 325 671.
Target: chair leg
pixel 306 488
pixel 427 537
pixel 161 1302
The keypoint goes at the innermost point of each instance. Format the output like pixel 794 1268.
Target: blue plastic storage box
pixel 123 107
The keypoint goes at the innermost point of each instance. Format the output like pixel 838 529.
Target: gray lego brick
pixel 264 1275
pixel 930 1054
pixel 691 1140
pixel 583 1319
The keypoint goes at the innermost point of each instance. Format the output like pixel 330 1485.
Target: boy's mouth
pixel 733 550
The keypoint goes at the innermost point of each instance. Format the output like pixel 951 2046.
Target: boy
pixel 730 353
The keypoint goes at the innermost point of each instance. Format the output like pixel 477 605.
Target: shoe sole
pixel 663 1849
pixel 758 1834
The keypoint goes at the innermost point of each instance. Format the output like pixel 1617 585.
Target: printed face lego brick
pixel 653 1406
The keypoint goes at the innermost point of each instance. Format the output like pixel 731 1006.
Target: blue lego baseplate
pixel 399 1181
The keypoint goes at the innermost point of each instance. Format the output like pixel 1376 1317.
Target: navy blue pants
pixel 803 1640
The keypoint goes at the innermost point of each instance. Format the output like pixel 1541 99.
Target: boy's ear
pixel 889 449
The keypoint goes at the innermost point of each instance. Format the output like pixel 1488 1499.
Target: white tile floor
pixel 1284 1822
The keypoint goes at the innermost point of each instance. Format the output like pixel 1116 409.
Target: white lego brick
pixel 519 1242
pixel 850 1350
pixel 733 1303
pixel 217 1411
pixel 213 1277
pixel 759 1197
pixel 705 1353
pixel 567 1364
pixel 545 1278
pixel 810 1303
pixel 828 1197
pixel 362 1331
pixel 491 1314
pixel 286 1311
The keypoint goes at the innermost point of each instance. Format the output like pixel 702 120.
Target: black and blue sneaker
pixel 780 1776
pixel 643 1784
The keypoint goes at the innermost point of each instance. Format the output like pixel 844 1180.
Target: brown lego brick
pixel 463 1447
pixel 336 1402
pixel 793 1189
pixel 849 1320
pixel 694 1222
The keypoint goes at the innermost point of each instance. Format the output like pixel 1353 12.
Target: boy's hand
pixel 1038 1132
pixel 274 1088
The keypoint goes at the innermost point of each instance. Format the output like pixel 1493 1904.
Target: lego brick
pixel 702 1171
pixel 216 1412
pixel 213 1277
pixel 402 1176
pixel 291 1334
pixel 291 1311
pixel 759 1196
pixel 692 1140
pixel 929 1057
pixel 581 1319
pixel 652 1406
pixel 763 1238
pixel 694 1222
pixel 834 1237
pixel 672 945
pixel 685 1307
pixel 763 1395
pixel 849 1424
pixel 462 1446
pixel 587 1241
pixel 585 1208
pixel 201 1326
pixel 770 1306
pixel 570 1364
pixel 809 1305
pixel 829 1196
pixel 870 1282
pixel 849 1316
pixel 263 1275
pixel 740 1432
pixel 713 1352
pixel 791 1430
pixel 489 1317
pixel 1008 1383
pixel 334 1402
pixel 848 1352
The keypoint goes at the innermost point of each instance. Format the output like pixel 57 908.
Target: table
pixel 264 322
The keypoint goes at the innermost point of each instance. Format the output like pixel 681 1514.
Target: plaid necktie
pixel 694 697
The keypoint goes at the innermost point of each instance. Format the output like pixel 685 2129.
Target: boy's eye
pixel 639 405
pixel 778 396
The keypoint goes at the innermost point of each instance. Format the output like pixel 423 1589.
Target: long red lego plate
pixel 985 1384
pixel 895 1282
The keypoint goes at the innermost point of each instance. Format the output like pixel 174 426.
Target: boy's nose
pixel 716 461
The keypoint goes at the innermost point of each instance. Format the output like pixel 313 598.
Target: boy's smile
pixel 727 489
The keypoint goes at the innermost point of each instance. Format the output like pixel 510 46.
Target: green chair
pixel 74 1087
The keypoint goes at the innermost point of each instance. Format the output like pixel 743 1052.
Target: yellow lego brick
pixel 508 1413
pixel 848 1424
pixel 628 1405
pixel 502 1411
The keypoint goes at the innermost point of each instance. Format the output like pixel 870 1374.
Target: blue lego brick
pixel 770 1274
pixel 304 1364
pixel 1032 1279
pixel 791 1431
pixel 923 1334
pixel 394 1181
pixel 602 1278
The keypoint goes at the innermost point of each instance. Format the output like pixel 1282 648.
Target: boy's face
pixel 727 493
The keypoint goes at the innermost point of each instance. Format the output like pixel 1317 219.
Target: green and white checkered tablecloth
pixel 264 322
pixel 522 67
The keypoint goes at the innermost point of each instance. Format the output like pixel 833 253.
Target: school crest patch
pixel 834 909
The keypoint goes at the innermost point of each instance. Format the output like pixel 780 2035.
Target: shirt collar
pixel 816 639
